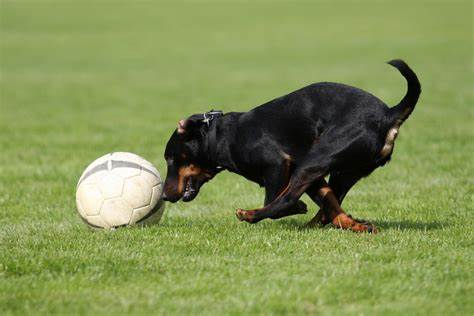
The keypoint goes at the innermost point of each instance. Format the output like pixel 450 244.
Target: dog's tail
pixel 402 110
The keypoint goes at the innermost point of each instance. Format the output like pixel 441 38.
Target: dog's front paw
pixel 245 216
pixel 301 208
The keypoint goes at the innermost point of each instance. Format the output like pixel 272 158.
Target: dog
pixel 289 145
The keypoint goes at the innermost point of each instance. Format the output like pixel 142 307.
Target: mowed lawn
pixel 83 78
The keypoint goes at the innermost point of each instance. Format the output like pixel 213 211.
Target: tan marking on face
pixel 389 141
pixel 192 171
pixel 186 172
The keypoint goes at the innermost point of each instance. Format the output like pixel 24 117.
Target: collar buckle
pixel 210 116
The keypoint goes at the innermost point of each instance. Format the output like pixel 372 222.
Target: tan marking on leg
pixel 343 221
pixel 324 191
pixel 330 207
pixel 287 163
pixel 331 212
pixel 283 191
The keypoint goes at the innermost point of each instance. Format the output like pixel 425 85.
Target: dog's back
pixel 299 118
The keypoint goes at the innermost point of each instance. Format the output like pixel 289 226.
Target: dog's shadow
pixel 411 225
pixel 294 224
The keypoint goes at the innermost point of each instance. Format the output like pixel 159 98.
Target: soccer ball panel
pixel 93 178
pixel 139 213
pixel 96 221
pixel 154 215
pixel 80 209
pixel 116 212
pixel 156 195
pixel 146 188
pixel 148 215
pixel 134 194
pixel 100 164
pixel 150 179
pixel 152 170
pixel 145 164
pixel 111 185
pixel 90 198
pixel 125 172
pixel 125 156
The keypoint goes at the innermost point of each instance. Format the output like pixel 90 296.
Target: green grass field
pixel 83 78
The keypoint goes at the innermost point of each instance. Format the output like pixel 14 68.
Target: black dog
pixel 289 145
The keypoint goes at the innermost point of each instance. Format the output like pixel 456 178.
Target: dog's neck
pixel 212 144
pixel 220 131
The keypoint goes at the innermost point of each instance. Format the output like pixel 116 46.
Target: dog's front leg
pixel 287 199
pixel 276 180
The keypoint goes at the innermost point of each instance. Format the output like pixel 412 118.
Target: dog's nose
pixel 164 197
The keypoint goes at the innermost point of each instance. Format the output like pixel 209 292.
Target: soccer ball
pixel 119 189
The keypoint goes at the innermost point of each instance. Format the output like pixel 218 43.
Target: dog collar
pixel 209 117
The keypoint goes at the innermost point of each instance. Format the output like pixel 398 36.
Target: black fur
pixel 290 143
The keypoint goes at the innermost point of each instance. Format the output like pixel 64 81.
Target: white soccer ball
pixel 120 189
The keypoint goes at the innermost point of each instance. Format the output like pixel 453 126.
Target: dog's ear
pixel 188 125
pixel 181 127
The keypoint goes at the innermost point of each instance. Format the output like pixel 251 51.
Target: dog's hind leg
pixel 331 211
pixel 309 170
pixel 340 183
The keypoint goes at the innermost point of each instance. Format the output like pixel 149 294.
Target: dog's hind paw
pixel 364 227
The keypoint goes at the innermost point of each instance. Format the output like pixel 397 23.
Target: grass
pixel 79 79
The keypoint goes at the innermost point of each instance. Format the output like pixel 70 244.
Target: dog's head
pixel 187 158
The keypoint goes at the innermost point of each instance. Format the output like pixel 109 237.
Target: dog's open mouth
pixel 190 189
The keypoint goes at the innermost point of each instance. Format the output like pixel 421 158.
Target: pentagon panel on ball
pixel 119 189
